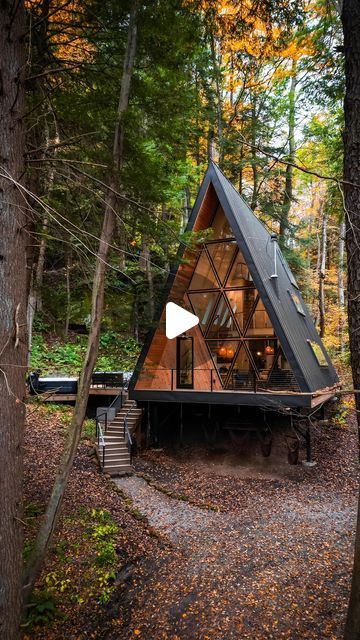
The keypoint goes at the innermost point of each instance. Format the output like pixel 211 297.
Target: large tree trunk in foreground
pixel 13 297
pixel 351 27
pixel 52 512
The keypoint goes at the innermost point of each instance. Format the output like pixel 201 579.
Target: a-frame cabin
pixel 256 344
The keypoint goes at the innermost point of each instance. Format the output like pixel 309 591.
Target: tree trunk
pixel 13 296
pixel 217 78
pixel 186 209
pixel 351 28
pixel 38 137
pixel 68 294
pixel 341 290
pixel 146 266
pixel 52 511
pixel 253 155
pixel 35 295
pixel 136 315
pixel 322 270
pixel 241 159
pixel 288 194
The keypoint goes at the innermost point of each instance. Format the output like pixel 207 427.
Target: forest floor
pixel 203 547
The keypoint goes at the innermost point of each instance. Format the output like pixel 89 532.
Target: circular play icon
pixel 178 320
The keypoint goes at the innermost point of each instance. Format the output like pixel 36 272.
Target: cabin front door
pixel 184 362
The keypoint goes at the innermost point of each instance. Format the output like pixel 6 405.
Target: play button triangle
pixel 178 320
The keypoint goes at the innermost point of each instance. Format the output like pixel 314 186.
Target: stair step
pixel 115 444
pixel 118 470
pixel 133 412
pixel 118 427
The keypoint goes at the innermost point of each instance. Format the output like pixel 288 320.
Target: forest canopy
pixel 257 85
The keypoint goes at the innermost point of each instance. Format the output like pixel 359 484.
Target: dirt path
pixel 249 573
pixel 273 564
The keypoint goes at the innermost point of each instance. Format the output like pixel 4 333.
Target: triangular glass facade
pixel 220 225
pixel 203 304
pixel 222 255
pixel 239 275
pixel 236 327
pixel 223 354
pixel 204 275
pixel 223 324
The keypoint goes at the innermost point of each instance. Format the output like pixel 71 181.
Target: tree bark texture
pixel 288 194
pixel 253 160
pixel 351 27
pixel 341 288
pixel 322 269
pixel 68 294
pixel 144 264
pixel 13 296
pixel 53 508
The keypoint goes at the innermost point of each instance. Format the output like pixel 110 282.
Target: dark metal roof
pixel 293 329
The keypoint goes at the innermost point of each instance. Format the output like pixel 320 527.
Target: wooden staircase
pixel 114 448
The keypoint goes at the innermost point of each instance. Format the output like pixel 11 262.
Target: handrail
pixel 120 395
pixel 133 406
pixel 128 432
pixel 99 431
pixel 101 441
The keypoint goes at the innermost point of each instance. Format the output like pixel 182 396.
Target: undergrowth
pixel 64 585
pixel 54 355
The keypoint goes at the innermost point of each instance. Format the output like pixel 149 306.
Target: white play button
pixel 178 320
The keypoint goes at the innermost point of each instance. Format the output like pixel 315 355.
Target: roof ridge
pixel 227 179
pixel 263 224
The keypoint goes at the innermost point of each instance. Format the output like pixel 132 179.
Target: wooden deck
pixel 265 399
pixel 71 397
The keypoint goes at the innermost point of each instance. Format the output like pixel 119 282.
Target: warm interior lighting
pixel 269 350
pixel 225 353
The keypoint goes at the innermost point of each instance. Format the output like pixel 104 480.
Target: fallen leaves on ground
pixel 271 558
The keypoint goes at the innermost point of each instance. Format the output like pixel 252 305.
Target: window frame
pixel 297 302
pixel 180 385
pixel 322 361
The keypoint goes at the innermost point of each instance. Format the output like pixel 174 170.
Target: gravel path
pixel 264 572
pixel 175 518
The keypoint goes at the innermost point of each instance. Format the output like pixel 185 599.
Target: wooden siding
pixel 159 368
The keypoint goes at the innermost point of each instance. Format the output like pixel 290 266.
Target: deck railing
pixel 216 380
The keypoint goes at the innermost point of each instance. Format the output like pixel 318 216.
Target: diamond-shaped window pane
pixel 203 306
pixel 241 302
pixel 242 374
pixel 239 275
pixel 220 226
pixel 223 354
pixel 204 276
pixel 222 254
pixel 260 324
pixel 222 324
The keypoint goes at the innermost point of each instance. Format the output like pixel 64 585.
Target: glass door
pixel 184 362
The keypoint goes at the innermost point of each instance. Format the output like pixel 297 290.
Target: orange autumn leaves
pixel 64 25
